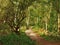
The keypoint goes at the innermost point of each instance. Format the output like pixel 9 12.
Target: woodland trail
pixel 39 40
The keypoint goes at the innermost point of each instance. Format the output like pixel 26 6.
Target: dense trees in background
pixel 40 13
pixel 45 14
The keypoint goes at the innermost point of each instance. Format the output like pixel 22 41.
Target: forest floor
pixel 41 41
pixel 23 39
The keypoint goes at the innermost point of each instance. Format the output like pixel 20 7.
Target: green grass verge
pixel 14 39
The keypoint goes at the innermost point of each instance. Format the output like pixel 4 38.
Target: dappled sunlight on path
pixel 39 40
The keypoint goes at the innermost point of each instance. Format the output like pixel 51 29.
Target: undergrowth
pixel 13 39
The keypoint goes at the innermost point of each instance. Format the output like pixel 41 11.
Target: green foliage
pixel 15 12
pixel 43 13
pixel 53 24
pixel 14 39
pixel 56 5
pixel 38 13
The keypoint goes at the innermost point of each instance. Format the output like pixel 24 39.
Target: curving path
pixel 39 40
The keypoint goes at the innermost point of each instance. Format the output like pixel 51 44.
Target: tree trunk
pixel 58 23
pixel 16 30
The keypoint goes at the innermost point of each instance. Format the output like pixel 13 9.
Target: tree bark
pixel 16 30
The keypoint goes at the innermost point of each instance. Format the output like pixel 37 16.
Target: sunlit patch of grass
pixel 23 28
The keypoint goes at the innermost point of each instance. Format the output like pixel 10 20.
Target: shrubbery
pixel 14 39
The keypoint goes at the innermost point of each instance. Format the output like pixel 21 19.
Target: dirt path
pixel 39 40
